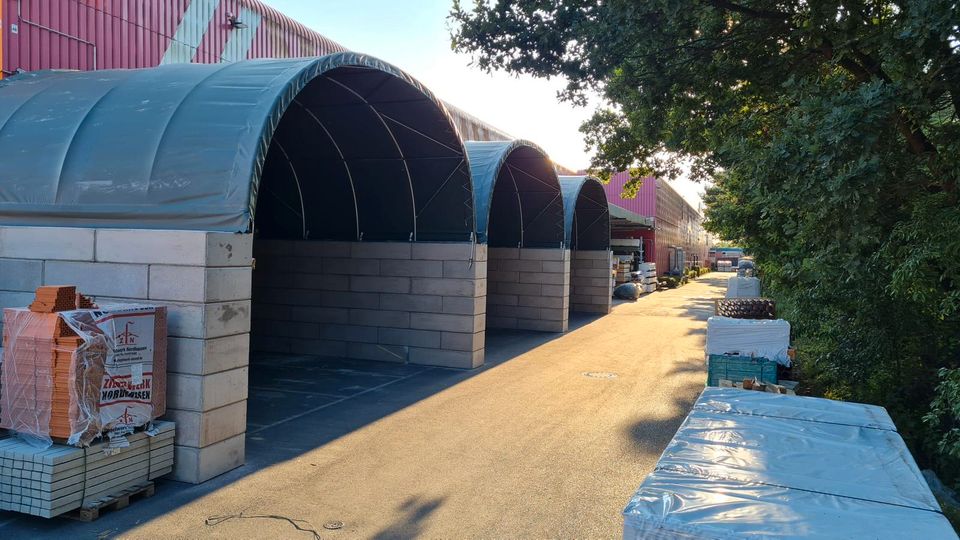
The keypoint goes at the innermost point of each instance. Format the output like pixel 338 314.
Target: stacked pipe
pixel 746 308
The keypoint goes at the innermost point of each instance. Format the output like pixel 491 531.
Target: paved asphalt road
pixel 549 440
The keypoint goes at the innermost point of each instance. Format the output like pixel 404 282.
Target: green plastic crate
pixel 738 368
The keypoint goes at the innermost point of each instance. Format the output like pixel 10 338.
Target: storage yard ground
pixel 541 442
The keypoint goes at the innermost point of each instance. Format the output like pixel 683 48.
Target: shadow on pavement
pixel 297 404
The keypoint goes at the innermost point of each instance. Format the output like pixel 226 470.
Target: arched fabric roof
pixel 341 146
pixel 516 193
pixel 586 213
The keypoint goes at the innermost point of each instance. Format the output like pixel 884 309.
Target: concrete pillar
pixel 529 289
pixel 204 280
pixel 591 283
pixel 421 303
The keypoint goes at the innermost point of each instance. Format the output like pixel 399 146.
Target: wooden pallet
pixel 122 500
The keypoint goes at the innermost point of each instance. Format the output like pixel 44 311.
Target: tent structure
pixel 586 214
pixel 343 147
pixel 516 194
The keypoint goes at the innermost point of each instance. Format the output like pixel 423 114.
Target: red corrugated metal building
pixel 677 239
pixel 107 34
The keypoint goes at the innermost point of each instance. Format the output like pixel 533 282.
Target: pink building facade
pixel 677 240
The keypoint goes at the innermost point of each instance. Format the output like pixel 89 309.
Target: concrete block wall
pixel 205 281
pixel 528 289
pixel 591 284
pixel 421 303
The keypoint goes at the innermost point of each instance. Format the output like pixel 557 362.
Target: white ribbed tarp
pixel 743 287
pixel 753 465
pixel 760 338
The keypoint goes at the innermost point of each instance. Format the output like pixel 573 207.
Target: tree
pixel 831 132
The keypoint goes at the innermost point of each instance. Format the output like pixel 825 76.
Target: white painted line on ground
pixel 341 400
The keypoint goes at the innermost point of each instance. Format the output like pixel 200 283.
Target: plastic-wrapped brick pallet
pixel 754 464
pixel 749 337
pixel 743 287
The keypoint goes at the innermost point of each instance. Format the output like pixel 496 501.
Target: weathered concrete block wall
pixel 529 289
pixel 205 281
pixel 591 287
pixel 422 303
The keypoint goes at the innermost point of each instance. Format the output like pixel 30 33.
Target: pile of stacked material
pixel 49 482
pixel 647 277
pixel 760 465
pixel 69 373
pixel 756 338
pixel 743 287
pixel 746 308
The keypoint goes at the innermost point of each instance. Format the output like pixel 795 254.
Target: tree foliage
pixel 831 132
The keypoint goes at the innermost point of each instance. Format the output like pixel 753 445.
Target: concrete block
pixel 517 265
pixel 380 250
pixel 590 308
pixel 397 285
pixel 413 268
pixel 206 392
pixel 540 325
pixel 591 273
pixel 285 265
pixel 205 428
pixel 541 301
pixel 20 274
pixel 502 299
pixel 188 248
pixel 593 291
pixel 56 243
pixel 545 254
pixel 554 314
pixel 448 287
pixel 226 318
pixel 578 263
pixel 377 317
pixel 349 300
pixel 99 279
pixel 18 299
pixel 378 352
pixel 321 282
pixel 503 275
pixel 502 253
pixel 603 264
pixel 529 289
pixel 329 315
pixel 410 338
pixel 199 284
pixel 318 347
pixel 196 465
pixel 480 253
pixel 558 267
pixel 292 297
pixel 554 290
pixel 348 332
pixel 543 277
pixel 458 341
pixel 412 302
pixel 509 323
pixel 446 323
pixel 519 312
pixel 270 247
pixel 321 248
pixel 445 358
pixel 267 344
pixel 443 251
pixel 206 356
pixel 465 305
pixel 292 329
pixel 352 267
pixel 464 269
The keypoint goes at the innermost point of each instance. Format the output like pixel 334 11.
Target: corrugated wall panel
pixel 106 34
pixel 645 201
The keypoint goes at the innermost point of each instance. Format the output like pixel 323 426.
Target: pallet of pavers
pixel 63 478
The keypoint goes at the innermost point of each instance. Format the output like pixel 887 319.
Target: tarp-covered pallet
pixel 760 465
pixel 61 478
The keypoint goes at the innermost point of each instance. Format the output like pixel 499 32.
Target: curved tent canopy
pixel 342 146
pixel 586 214
pixel 516 193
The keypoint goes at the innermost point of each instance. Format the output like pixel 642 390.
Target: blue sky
pixel 414 35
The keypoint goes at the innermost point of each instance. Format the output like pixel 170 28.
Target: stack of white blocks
pixel 529 289
pixel 421 303
pixel 591 281
pixel 204 279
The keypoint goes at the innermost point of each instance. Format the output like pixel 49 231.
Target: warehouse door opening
pixel 520 214
pixel 587 226
pixel 363 237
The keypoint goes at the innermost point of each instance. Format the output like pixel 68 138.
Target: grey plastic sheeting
pixel 586 213
pixel 346 146
pixel 516 194
pixel 752 464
